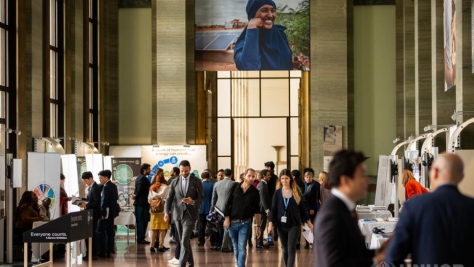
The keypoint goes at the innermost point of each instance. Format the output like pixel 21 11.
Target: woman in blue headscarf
pixel 262 45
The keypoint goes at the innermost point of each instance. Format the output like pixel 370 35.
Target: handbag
pixel 216 217
pixel 157 205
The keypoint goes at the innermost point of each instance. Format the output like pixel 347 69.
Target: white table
pixel 377 240
pixel 126 218
pixel 374 214
pixel 366 226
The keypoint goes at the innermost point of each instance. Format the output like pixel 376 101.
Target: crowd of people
pixel 231 212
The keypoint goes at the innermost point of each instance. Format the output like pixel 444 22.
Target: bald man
pixel 436 228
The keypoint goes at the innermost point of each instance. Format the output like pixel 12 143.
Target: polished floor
pixel 132 255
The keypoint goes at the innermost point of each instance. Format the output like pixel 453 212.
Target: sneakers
pixel 174 261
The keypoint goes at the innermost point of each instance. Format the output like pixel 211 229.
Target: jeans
pixel 288 239
pixel 239 234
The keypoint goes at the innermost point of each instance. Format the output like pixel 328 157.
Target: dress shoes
pixel 262 246
pixel 143 242
pixel 298 246
pixel 165 248
pixel 216 248
pixel 152 249
pixel 226 250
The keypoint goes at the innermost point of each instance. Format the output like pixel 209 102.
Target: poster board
pixel 383 191
pixel 167 157
pixel 43 178
pixel 125 171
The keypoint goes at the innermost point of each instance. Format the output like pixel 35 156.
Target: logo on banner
pixel 43 191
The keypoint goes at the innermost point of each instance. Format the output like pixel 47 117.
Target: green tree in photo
pixel 297 23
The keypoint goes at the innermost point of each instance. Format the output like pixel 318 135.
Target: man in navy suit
pixel 108 212
pixel 93 203
pixel 436 228
pixel 338 241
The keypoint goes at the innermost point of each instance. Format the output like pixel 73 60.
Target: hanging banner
pixel 167 157
pixel 94 164
pixel 332 137
pixel 124 171
pixel 71 184
pixel 246 35
pixel 43 178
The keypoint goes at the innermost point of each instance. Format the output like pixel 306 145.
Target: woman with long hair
pixel 158 225
pixel 287 214
pixel 27 212
pixel 412 187
pixel 324 189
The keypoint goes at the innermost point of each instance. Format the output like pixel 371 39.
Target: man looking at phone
pixel 186 192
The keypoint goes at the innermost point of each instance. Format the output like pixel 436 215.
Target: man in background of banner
pixel 142 213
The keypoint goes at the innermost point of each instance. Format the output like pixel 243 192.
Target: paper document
pixel 307 234
pixel 76 200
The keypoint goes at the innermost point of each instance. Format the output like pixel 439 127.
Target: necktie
pixel 185 181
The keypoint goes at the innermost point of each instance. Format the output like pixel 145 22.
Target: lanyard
pixel 307 187
pixel 286 201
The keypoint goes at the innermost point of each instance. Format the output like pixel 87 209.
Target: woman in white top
pixel 158 226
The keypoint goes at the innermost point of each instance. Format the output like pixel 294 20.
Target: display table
pixel 366 226
pixel 374 214
pixel 126 218
pixel 66 229
pixel 377 240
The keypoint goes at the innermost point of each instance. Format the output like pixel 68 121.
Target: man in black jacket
pixel 142 213
pixel 271 184
pixel 93 202
pixel 338 240
pixel 109 210
pixel 265 205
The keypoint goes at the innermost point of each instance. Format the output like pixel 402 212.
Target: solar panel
pixel 215 40
pixel 203 41
pixel 221 43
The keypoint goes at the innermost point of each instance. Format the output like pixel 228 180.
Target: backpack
pixel 157 205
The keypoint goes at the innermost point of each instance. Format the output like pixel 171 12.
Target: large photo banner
pixel 449 19
pixel 252 35
pixel 167 157
pixel 43 178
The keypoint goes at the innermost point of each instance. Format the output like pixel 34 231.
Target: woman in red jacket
pixel 412 187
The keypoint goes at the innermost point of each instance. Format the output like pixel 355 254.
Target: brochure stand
pixel 66 229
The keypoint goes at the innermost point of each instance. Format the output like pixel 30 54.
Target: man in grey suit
pixel 265 205
pixel 186 193
pixel 220 196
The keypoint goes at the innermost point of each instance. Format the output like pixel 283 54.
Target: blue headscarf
pixel 259 49
pixel 254 5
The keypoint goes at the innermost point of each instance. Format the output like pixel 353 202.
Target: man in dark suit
pixel 142 207
pixel 186 193
pixel 271 184
pixel 208 187
pixel 337 237
pixel 435 228
pixel 93 202
pixel 108 211
pixel 265 205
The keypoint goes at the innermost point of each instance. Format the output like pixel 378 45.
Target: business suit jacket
pixel 265 199
pixel 142 187
pixel 435 228
pixel 109 200
pixel 93 199
pixel 221 193
pixel 338 241
pixel 175 195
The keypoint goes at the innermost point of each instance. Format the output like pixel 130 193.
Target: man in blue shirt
pixel 208 187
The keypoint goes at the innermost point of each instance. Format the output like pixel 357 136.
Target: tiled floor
pixel 140 256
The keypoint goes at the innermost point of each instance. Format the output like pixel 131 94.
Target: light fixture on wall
pixel 456 114
pixel 433 127
pixel 9 130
